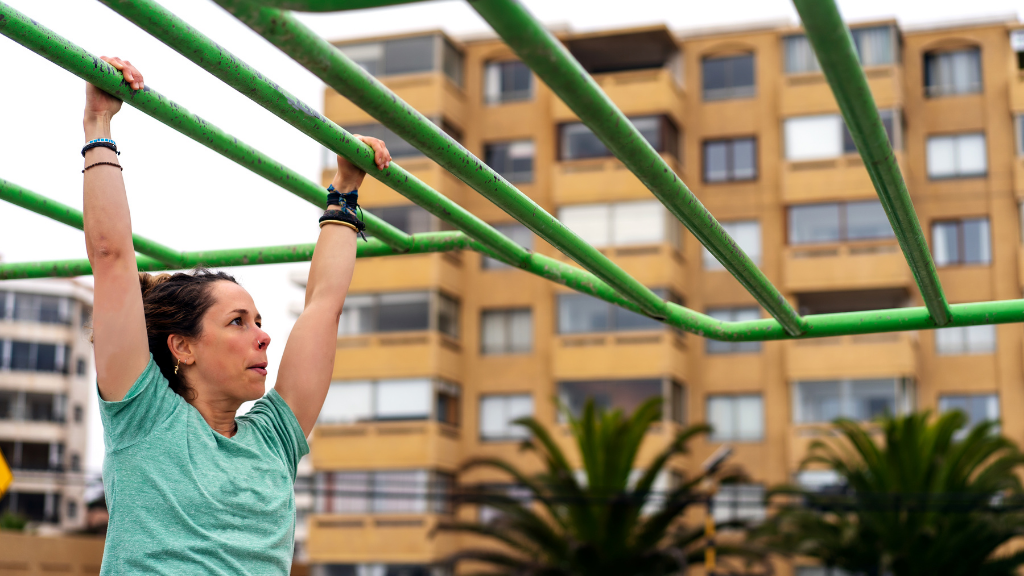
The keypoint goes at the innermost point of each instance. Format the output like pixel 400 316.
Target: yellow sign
pixel 5 475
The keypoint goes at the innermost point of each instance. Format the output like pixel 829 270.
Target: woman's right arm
pixel 119 324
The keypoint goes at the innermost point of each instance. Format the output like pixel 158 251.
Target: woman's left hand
pixel 350 176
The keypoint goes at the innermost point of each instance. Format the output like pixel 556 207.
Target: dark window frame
pixel 612 311
pixel 730 157
pixel 929 88
pixel 734 91
pixel 843 224
pixel 506 312
pixel 669 141
pixel 521 177
pixel 507 97
pixel 960 238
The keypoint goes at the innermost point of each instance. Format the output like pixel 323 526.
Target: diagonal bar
pixel 839 61
pixel 330 5
pixel 65 214
pixel 328 63
pixel 560 70
pixel 88 67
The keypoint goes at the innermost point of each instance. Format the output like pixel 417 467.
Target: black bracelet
pixel 108 145
pixel 118 166
pixel 347 217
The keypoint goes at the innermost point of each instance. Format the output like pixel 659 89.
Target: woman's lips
pixel 260 369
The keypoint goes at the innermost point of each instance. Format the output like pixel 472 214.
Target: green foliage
pixel 597 527
pixel 12 521
pixel 919 502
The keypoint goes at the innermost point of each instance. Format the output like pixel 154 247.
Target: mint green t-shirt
pixel 184 499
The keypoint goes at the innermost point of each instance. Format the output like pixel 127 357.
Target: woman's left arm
pixel 308 361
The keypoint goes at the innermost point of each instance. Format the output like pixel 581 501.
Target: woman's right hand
pixel 99 104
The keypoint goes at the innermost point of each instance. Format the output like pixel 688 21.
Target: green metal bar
pixel 74 59
pixel 330 5
pixel 838 58
pixel 330 65
pixel 560 70
pixel 207 54
pixel 65 214
pixel 421 244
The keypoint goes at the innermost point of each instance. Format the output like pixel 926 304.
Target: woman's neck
pixel 218 413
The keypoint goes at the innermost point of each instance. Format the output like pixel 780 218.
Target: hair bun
pixel 149 281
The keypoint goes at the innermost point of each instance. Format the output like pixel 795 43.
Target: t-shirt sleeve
pixel 279 427
pixel 147 405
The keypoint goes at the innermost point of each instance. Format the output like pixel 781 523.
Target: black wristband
pixel 92 145
pixel 344 216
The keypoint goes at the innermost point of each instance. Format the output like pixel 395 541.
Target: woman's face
pixel 231 352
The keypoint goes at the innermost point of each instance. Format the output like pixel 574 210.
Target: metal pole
pixel 65 214
pixel 330 5
pixel 90 68
pixel 838 58
pixel 334 68
pixel 560 70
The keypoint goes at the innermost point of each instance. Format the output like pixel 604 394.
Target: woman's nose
pixel 263 340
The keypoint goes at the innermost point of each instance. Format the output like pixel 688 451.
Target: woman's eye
pixel 259 324
pixel 237 321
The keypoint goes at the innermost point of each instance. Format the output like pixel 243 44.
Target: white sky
pixel 190 198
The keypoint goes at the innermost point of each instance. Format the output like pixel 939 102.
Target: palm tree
pixel 923 501
pixel 604 525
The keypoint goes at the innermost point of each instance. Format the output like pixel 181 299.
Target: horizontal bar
pixel 330 5
pixel 560 70
pixel 90 68
pixel 328 63
pixel 65 214
pixel 839 61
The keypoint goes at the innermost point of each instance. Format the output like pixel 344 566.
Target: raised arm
pixel 308 360
pixel 119 325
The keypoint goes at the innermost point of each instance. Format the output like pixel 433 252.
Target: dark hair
pixel 175 304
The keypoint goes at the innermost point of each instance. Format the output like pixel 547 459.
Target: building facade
pixel 45 374
pixel 438 353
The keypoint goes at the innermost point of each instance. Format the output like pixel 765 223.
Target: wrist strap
pixel 344 217
pixel 109 144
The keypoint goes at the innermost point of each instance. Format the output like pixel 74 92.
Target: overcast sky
pixel 188 197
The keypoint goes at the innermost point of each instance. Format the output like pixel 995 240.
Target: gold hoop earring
pixel 176 367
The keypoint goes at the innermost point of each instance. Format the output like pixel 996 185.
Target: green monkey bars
pixel 566 77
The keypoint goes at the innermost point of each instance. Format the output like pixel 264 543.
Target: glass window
pixel 888 117
pixel 513 160
pixel 965 340
pixel 400 491
pixel 506 331
pixel 398 147
pixel 813 137
pixel 9 404
pixel 838 222
pixel 625 395
pixel 515 232
pixel 875 45
pixel 407 399
pixel 576 141
pixel 22 356
pixel 498 414
pixel 730 160
pixel 740 314
pixel 957 156
pixel 409 55
pixel 398 399
pixel 368 56
pixel 592 222
pixel 977 407
pixel 447 315
pixel 1018 122
pixel 409 218
pixel 736 418
pixel 961 242
pixel 582 313
pixel 954 72
pixel 6 299
pixel 398 312
pixel 449 402
pixel 739 503
pixel 507 82
pixel 867 220
pixel 391 491
pixel 746 233
pixel 403 311
pixel 824 401
pixel 452 63
pixel 621 224
pixel 798 55
pixel 729 77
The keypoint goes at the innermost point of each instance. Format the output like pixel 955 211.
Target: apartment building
pixel 45 374
pixel 438 353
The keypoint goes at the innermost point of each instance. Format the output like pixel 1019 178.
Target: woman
pixel 191 488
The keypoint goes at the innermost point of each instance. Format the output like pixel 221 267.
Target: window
pixel 1017 45
pixel 406 56
pixel 739 503
pixel 34 357
pixel 75 463
pixel 961 340
pixel 399 312
pixel 957 156
pixel 838 222
pixel 408 218
pixel 506 331
pixel 746 233
pixel 730 160
pixel 951 73
pixel 839 301
pixel 825 136
pixel 863 400
pixel 40 308
pixel 36 507
pixel 582 313
pixel 513 160
pixel 498 414
pixel 798 55
pixel 352 401
pixel 80 366
pixel 625 395
pixel 515 232
pixel 383 492
pixel 728 77
pixel 736 417
pixel 961 242
pixel 507 82
pixel 741 314
pixel 875 47
pixel 622 223
pixel 1019 123
pixel 452 62
pixel 488 514
pixel 72 509
pixel 576 141
pixel 977 407
pixel 79 413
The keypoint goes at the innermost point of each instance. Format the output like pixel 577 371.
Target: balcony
pixel 635 92
pixel 397 355
pixel 845 266
pixel 409 272
pixel 366 538
pixel 810 93
pixel 843 178
pixel 431 93
pixel 600 355
pixel 862 356
pixel 385 445
pixel 599 180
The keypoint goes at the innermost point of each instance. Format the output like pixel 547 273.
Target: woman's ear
pixel 180 348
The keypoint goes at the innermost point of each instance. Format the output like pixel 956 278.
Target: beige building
pixel 45 374
pixel 438 353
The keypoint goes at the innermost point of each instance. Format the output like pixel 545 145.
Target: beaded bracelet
pixel 100 163
pixel 100 143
